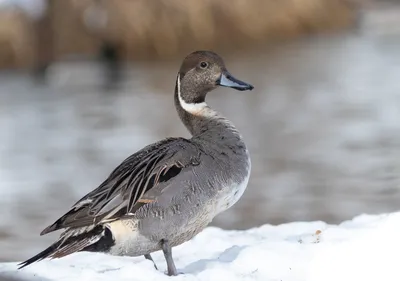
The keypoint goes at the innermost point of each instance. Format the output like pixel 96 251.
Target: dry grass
pixel 156 29
pixel 164 28
pixel 15 40
pixel 71 36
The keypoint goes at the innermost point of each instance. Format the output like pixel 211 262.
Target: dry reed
pixel 15 40
pixel 157 29
pixel 164 28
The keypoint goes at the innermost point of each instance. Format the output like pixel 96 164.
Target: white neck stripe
pixel 194 108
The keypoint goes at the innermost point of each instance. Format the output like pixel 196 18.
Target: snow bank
pixel 365 248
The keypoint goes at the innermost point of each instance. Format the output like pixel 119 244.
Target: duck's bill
pixel 227 80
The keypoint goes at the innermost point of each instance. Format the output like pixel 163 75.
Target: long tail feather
pixel 73 240
pixel 42 255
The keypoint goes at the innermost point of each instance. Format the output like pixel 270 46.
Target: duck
pixel 169 191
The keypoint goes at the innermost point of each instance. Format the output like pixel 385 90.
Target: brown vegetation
pixel 155 29
pixel 164 28
pixel 15 40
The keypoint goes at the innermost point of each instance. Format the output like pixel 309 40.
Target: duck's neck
pixel 202 121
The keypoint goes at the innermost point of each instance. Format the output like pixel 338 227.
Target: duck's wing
pixel 127 187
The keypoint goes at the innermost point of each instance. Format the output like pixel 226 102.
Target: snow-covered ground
pixel 365 248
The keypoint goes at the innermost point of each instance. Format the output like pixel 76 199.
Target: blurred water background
pixel 322 125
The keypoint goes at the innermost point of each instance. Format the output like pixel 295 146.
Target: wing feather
pixel 124 191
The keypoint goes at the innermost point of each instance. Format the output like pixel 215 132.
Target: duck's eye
pixel 203 65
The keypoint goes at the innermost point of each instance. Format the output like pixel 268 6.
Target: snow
pixel 364 248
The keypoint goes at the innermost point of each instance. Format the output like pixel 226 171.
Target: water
pixel 322 126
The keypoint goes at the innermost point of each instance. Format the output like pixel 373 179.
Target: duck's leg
pixel 166 248
pixel 148 257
